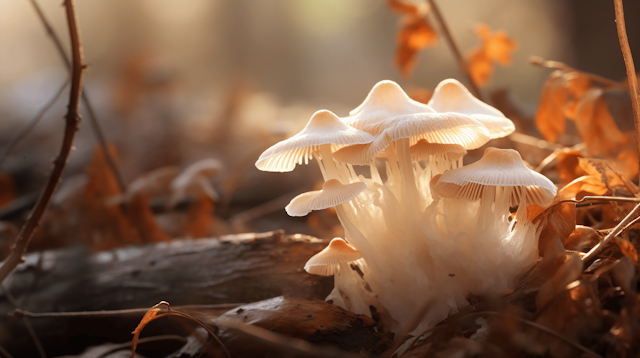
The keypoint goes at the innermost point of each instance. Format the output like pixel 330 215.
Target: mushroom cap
pixel 423 149
pixel 498 167
pixel 444 128
pixel 324 127
pixel 194 181
pixel 385 100
pixel 333 193
pixel 154 182
pixel 451 96
pixel 324 262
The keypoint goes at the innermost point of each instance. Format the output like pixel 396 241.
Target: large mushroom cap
pixel 442 128
pixel 501 168
pixel 451 96
pixel 324 127
pixel 333 193
pixel 324 262
pixel 385 100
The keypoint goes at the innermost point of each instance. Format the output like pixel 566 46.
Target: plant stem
pixel 557 65
pixel 72 121
pixel 631 71
pixel 85 98
pixel 454 48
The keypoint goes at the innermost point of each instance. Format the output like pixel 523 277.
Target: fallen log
pixel 234 268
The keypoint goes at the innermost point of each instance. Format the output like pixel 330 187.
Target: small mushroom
pixel 333 193
pixel 324 131
pixel 194 181
pixel 424 150
pixel 451 96
pixel 325 262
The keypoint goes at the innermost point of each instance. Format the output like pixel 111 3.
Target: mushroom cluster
pixel 420 227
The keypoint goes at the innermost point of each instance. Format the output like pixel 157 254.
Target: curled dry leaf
pixel 407 8
pixel 583 238
pixel 581 187
pixel 627 248
pixel 569 270
pixel 613 180
pixel 597 127
pixel 480 67
pixel 623 273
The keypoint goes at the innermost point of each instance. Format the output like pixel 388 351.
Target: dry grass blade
pixel 71 126
pixel 20 313
pixel 34 337
pixel 152 314
pixel 538 61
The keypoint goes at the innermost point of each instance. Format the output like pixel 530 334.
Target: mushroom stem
pixel 375 174
pixel 393 164
pixel 355 236
pixel 321 166
pixel 329 164
pixel 409 189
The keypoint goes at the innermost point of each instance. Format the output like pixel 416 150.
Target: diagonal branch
pixel 72 122
pixel 85 98
pixel 455 49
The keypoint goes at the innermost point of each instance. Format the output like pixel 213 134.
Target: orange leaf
pixel 582 238
pixel 581 187
pixel 558 221
pixel 550 117
pixel 416 34
pixel 627 248
pixel 499 48
pixel 480 67
pixel 151 315
pixel 568 166
pixel 597 127
pixel 404 8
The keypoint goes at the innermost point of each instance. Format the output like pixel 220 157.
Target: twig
pixel 72 121
pixel 534 141
pixel 631 70
pixel 557 65
pixel 32 123
pixel 551 157
pixel 85 98
pixel 20 313
pixel 34 337
pixel 591 255
pixel 600 198
pixel 454 48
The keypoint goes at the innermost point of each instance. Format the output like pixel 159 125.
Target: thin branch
pixel 32 123
pixel 72 121
pixel 455 49
pixel 85 98
pixel 631 70
pixel 557 65
pixel 600 199
pixel 21 313
pixel 534 141
pixel 591 255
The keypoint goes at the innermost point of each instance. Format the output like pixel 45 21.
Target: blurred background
pixel 174 82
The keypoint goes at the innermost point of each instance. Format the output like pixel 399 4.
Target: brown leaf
pixel 581 187
pixel 498 46
pixel 416 34
pixel 600 169
pixel 597 127
pixel 626 163
pixel 549 118
pixel 558 222
pixel 568 166
pixel 422 95
pixel 583 238
pixel 148 317
pixel 480 67
pixel 627 248
pixel 7 190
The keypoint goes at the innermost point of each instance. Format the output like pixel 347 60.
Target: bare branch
pixel 72 122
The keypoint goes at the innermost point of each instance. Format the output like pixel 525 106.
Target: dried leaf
pixel 600 169
pixel 480 67
pixel 583 238
pixel 415 35
pixel 568 166
pixel 626 163
pixel 581 187
pixel 148 317
pixel 596 126
pixel 421 95
pixel 549 118
pixel 569 271
pixel 558 222
pixel 7 190
pixel 627 248
pixel 406 8
pixel 624 272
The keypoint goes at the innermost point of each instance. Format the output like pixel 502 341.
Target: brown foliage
pixel 494 48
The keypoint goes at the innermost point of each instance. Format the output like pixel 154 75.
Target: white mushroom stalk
pixel 413 245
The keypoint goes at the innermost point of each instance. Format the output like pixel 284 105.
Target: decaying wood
pixel 311 320
pixel 235 268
